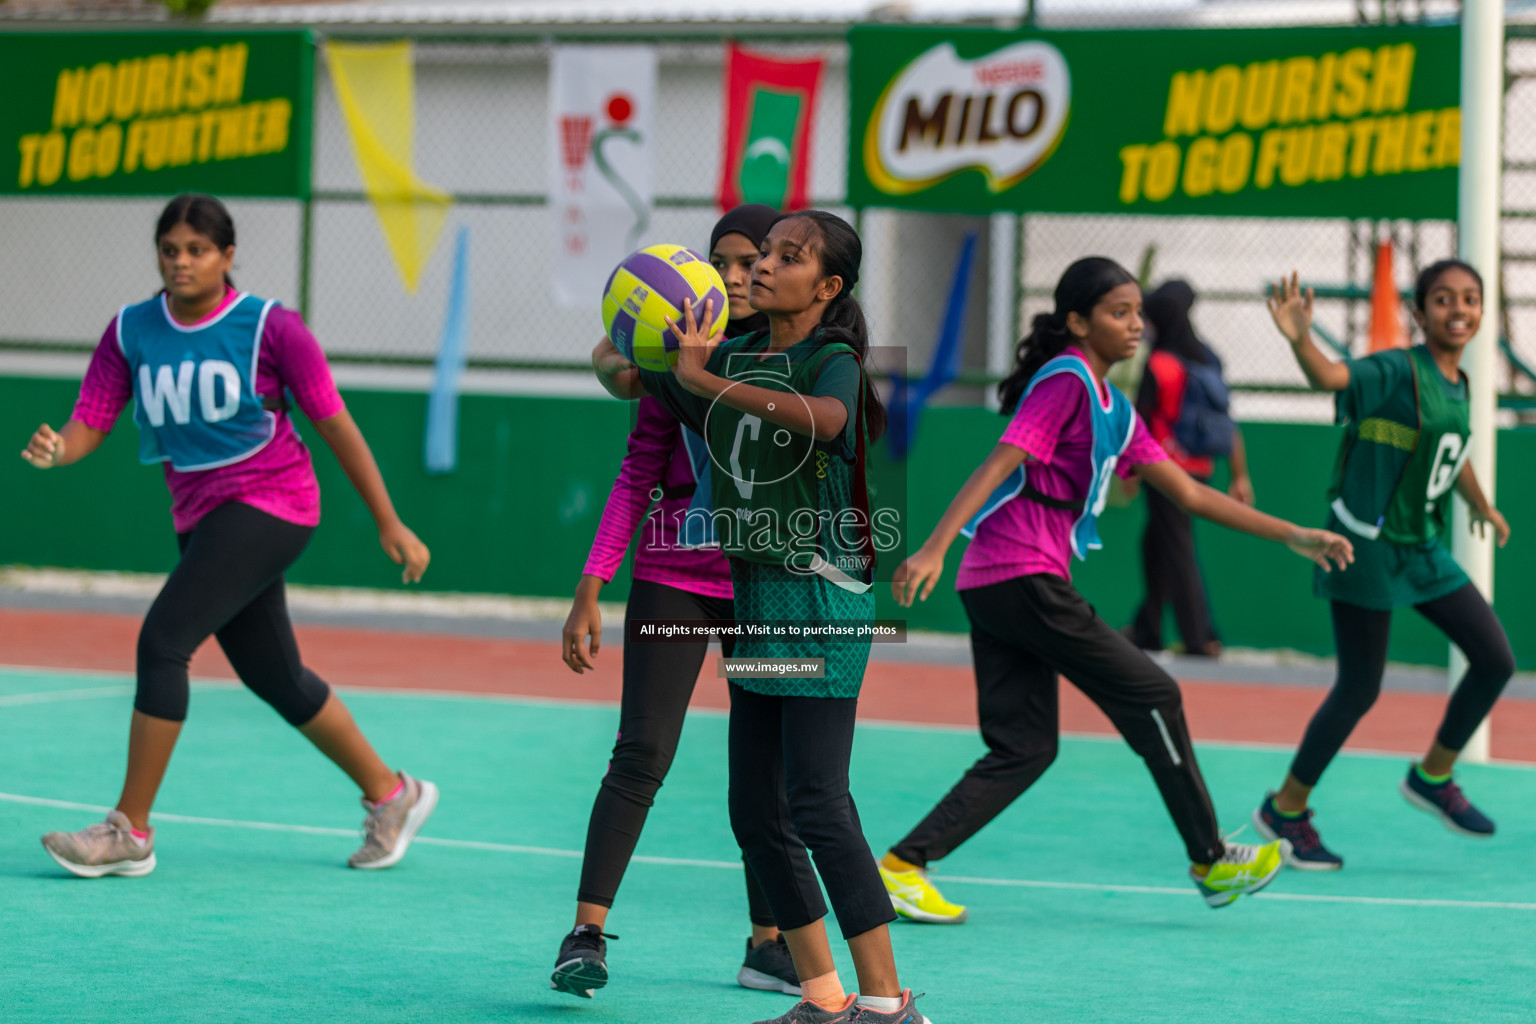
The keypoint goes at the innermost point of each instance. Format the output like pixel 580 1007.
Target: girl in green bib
pixel 1407 430
pixel 787 414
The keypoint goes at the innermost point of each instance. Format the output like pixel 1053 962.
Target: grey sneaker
pixel 105 848
pixel 768 967
pixel 906 1013
pixel 807 1012
pixel 390 826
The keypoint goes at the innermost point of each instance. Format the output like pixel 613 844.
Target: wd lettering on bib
pixel 194 388
pixel 164 389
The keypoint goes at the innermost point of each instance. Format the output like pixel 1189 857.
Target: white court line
pixel 1268 894
pixel 49 697
pixel 545 851
pixel 353 833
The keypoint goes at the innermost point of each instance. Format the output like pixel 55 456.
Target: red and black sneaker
pixel 1307 850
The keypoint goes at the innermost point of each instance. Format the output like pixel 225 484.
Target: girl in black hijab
pixel 661 485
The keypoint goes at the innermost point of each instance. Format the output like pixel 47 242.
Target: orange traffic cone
pixel 1387 327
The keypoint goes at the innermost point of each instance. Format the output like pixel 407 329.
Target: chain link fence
pixel 481 134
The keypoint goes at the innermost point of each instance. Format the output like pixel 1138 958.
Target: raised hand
pixel 1322 547
pixel 694 344
pixel 1291 308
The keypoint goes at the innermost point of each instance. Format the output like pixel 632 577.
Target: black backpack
pixel 1204 426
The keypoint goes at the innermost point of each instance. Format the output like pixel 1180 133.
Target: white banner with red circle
pixel 602 114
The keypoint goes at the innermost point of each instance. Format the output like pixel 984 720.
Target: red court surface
pixel 919 693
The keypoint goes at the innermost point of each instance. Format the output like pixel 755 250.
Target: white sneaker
pixel 105 848
pixel 390 826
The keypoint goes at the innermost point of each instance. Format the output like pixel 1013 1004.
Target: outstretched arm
pixel 1291 310
pixel 48 448
pixel 1197 499
pixel 341 433
pixel 916 577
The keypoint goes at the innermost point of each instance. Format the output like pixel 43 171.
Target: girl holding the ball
pixel 788 413
pixel 662 490
pixel 208 368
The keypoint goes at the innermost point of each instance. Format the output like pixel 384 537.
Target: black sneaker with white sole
pixel 582 966
pixel 768 967
pixel 1307 852
pixel 1446 801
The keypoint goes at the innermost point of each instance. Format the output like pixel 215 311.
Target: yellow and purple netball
pixel 651 285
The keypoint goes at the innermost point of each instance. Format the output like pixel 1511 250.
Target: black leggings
pixel 229 584
pixel 1024 632
pixel 789 791
pixel 1361 634
pixel 1172 576
pixel 658 682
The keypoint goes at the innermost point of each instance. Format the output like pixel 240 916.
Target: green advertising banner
pixel 140 113
pixel 1294 122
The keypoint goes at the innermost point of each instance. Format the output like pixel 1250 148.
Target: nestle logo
pixel 1017 72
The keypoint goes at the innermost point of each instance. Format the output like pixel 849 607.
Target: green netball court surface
pixel 1080 909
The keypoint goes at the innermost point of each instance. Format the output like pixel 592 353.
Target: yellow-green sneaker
pixel 1241 869
pixel 916 899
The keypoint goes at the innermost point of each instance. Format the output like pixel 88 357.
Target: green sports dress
pixel 1407 434
pixel 782 504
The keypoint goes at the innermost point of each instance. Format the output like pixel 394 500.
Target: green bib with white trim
pixel 1404 445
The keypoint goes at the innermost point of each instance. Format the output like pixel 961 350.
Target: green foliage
pixel 185 8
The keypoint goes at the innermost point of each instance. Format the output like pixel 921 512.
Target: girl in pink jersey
pixel 1029 508
pixel 208 368
pixel 679 575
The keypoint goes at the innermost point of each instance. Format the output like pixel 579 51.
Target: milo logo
pixel 1002 114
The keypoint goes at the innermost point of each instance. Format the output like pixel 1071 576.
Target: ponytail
pixel 1048 338
pixel 843 321
pixel 1081 287
pixel 841 253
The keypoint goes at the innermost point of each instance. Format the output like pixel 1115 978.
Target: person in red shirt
pixel 1183 398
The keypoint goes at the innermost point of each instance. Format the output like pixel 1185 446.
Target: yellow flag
pixel 376 87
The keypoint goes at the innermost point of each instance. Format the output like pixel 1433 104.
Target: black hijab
pixel 752 221
pixel 1167 311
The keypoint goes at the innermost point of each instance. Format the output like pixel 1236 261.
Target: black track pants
pixel 1024 633
pixel 658 683
pixel 1172 576
pixel 790 803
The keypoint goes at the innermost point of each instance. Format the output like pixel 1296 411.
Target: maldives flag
pixel 770 110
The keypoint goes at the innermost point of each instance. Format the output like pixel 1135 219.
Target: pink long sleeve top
pixel 657 461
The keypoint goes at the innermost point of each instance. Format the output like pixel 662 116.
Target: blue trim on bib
pixel 698 526
pixel 1113 429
